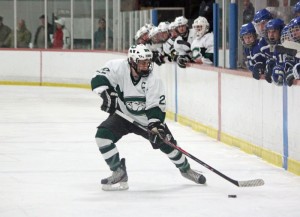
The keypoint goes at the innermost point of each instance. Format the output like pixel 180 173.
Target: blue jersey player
pixel 255 59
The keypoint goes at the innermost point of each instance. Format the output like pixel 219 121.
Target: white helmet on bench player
pixel 201 26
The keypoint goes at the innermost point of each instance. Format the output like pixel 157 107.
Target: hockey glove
pixel 289 63
pixel 296 71
pixel 293 74
pixel 278 75
pixel 182 61
pixel 157 132
pixel 289 77
pixel 110 101
pixel 270 64
pixel 158 58
pixel 258 69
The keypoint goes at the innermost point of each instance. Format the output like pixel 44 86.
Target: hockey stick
pixel 293 46
pixel 283 50
pixel 247 183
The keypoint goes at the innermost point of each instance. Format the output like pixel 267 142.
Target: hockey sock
pixel 176 157
pixel 108 149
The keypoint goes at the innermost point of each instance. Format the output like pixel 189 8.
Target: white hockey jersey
pixel 202 48
pixel 135 98
pixel 182 46
pixel 168 47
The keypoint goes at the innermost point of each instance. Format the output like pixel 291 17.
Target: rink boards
pixel 229 105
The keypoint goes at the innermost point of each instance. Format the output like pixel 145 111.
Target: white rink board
pixel 20 65
pixel 198 95
pixel 251 110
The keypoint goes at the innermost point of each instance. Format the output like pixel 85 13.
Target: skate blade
pixel 121 186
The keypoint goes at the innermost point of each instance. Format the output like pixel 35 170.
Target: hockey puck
pixel 232 195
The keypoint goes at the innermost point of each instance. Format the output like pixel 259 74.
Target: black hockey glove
pixel 110 101
pixel 289 63
pixel 182 61
pixel 258 69
pixel 289 77
pixel 270 64
pixel 157 132
pixel 157 58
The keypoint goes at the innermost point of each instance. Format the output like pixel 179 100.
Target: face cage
pixel 141 73
pixel 285 37
pixel 249 45
pixel 294 35
pixel 261 33
pixel 200 30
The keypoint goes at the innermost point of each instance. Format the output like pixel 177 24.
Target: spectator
pixel 4 34
pixel 23 36
pixel 100 35
pixel 61 37
pixel 39 38
pixel 248 12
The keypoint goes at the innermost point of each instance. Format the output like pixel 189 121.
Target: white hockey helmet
pixel 172 30
pixel 201 26
pixel 179 21
pixel 149 26
pixel 163 26
pixel 141 32
pixel 172 26
pixel 137 53
pixel 163 29
pixel 153 35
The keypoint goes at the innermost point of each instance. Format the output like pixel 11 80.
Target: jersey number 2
pixel 162 100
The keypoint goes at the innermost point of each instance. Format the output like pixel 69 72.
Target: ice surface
pixel 50 166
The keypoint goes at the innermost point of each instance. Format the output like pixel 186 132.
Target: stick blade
pixel 251 183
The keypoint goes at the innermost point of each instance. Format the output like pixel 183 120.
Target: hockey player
pixel 296 9
pixel 168 46
pixel 142 36
pixel 203 45
pixel 275 63
pixel 261 17
pixel 256 61
pixel 129 86
pixel 182 43
pixel 293 73
pixel 156 46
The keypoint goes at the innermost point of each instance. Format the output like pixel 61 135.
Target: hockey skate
pixel 117 181
pixel 194 176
